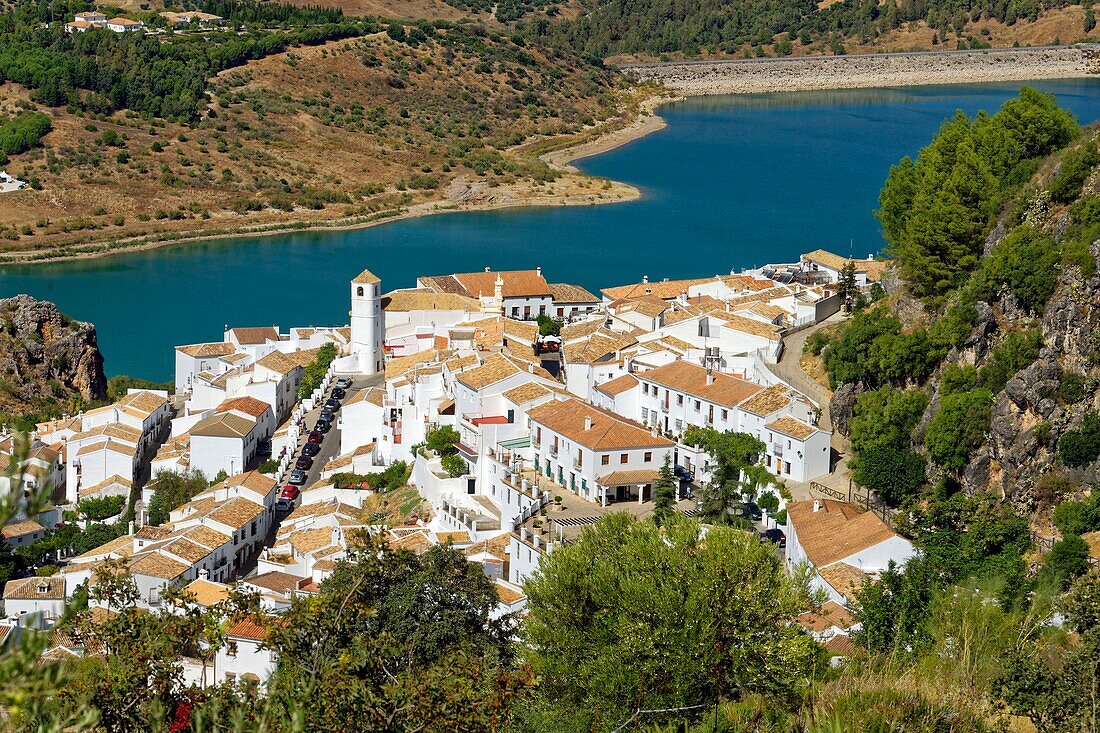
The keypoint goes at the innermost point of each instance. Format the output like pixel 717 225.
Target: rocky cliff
pixel 46 358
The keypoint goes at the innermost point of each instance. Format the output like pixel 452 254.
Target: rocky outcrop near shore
pixel 46 357
pixel 742 76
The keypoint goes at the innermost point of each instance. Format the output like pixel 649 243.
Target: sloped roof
pixel 28 589
pixel 248 405
pixel 566 293
pixel 692 379
pixel 618 385
pixel 606 431
pixel 402 301
pixel 767 401
pixel 666 289
pixel 792 426
pixel 366 277
pixel 516 283
pixel 836 531
pixel 255 335
pixel 629 478
pixel 224 425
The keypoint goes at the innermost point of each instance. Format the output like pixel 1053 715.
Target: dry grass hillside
pixel 345 131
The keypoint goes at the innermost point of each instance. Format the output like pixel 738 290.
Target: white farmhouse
pixel 34 602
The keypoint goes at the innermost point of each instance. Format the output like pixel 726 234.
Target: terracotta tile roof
pixel 91 448
pixel 305 541
pixel 845 579
pixel 771 312
pixel 279 362
pixel 373 395
pixel 253 480
pixel 198 351
pixel 247 629
pixel 872 268
pixel 224 425
pixel 492 370
pixel 506 594
pixel 608 431
pixel 20 528
pixel 516 283
pixel 750 326
pixel 841 646
pixel 204 535
pixel 275 580
pixel 151 532
pixel 208 593
pixel 248 405
pixel 666 289
pixel 121 546
pixel 255 336
pixel 156 565
pixel 29 589
pixel 237 512
pixel 831 614
pixel 618 385
pixel 402 365
pixel 117 430
pixel 691 379
pixel 366 277
pixel 187 550
pixel 581 329
pixel 106 483
pixel 792 426
pixel 766 402
pixel 599 346
pixel 836 531
pixel 527 393
pixel 401 301
pixel 454 538
pixel 676 344
pixel 416 542
pixel 629 478
pixel 650 306
pixel 143 401
pixel 566 293
pixel 458 363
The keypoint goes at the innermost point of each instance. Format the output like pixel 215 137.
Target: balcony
pixel 777 450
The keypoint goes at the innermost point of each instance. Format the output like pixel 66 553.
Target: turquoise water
pixel 731 182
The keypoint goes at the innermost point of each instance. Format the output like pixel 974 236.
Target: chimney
pixel 710 377
pixel 487 269
pixel 587 422
pixel 204 574
pixel 538 270
pixel 871 257
pixel 817 506
pixel 130 528
pixel 645 279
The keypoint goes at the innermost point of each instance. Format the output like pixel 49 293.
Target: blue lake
pixel 731 182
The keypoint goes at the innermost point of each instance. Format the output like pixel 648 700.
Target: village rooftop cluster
pixel 553 433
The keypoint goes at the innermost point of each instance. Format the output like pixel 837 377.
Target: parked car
pixel 286 499
pixel 332 404
pixel 304 463
pixel 775 536
pixel 322 426
pixel 683 473
pixel 311 449
pixel 297 477
pixel 315 437
pixel 343 382
pixel 751 510
pixel 263 448
pixel 326 415
pixel 339 393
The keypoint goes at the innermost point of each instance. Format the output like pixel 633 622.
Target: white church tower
pixel 367 324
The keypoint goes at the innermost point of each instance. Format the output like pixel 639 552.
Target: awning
pixel 515 443
pixel 466 450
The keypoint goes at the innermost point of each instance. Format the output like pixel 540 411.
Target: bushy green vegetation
pixel 958 428
pixel 172 490
pixel 315 372
pixel 22 132
pixel 98 509
pixel 1026 263
pixel 735 474
pixel 935 211
pixel 395 476
pixel 881 435
pixel 1081 447
pixel 119 385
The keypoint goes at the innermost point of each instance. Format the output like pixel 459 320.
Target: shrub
pixel 454 464
pixel 1081 447
pixel 1076 166
pixel 958 428
pixel 23 132
pixel 1026 263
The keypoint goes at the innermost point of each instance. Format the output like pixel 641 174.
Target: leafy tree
pixel 23 132
pixel 886 415
pixel 101 508
pixel 632 616
pixel 454 464
pixel 664 494
pixel 314 373
pixel 119 385
pixel 172 490
pixel 1075 167
pixel 1081 447
pixel 768 501
pixel 1078 517
pixel 732 454
pixel 394 640
pixel 846 286
pixel 958 428
pixel 892 472
pixel 271 465
pixel 442 439
pixel 548 326
pixel 1068 559
pixel 1026 263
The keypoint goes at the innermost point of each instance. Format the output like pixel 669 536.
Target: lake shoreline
pixel 678 80
pixel 863 71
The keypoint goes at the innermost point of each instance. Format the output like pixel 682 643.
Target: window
pixel 679 399
pixel 679 425
pixel 231 648
pixel 697 405
pixel 645 388
pixel 359 291
pixel 623 458
pixel 648 456
pixel 605 460
pixel 788 465
pixel 645 414
pixel 725 414
pixel 561 312
pixel 788 444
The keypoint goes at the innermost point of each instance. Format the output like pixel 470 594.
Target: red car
pixel 315 436
pixel 304 463
pixel 287 497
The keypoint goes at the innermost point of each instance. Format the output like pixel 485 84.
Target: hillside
pixel 342 131
pixel 49 363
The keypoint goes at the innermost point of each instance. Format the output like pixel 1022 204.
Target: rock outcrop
pixel 46 358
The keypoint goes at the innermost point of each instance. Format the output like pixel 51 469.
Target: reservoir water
pixel 731 182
